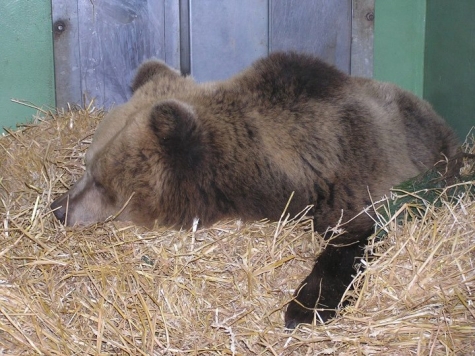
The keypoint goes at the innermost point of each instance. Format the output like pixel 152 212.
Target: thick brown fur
pixel 239 148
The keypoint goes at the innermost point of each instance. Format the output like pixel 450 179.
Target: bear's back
pixel 283 78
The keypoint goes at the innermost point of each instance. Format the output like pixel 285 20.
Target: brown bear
pixel 179 150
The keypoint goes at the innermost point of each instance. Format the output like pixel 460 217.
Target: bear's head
pixel 142 156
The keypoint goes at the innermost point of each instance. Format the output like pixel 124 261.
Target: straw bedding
pixel 115 288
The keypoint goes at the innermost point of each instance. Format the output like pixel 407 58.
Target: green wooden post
pixel 428 47
pixel 26 59
pixel 399 35
pixel 449 80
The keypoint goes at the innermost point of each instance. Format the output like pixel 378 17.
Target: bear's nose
pixel 59 211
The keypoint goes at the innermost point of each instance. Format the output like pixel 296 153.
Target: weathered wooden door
pixel 100 43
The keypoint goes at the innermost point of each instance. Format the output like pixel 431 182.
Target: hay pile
pixel 115 288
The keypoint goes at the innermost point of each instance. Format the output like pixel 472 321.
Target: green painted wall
pixel 399 35
pixel 428 47
pixel 26 59
pixel 449 80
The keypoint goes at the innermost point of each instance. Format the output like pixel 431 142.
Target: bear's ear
pixel 148 70
pixel 175 126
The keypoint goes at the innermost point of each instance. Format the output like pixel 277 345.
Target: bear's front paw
pixel 319 295
pixel 303 310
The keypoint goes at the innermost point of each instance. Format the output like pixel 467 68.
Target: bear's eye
pixel 85 158
pixel 99 186
pixel 104 192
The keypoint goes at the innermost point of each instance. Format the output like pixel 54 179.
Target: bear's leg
pixel 324 287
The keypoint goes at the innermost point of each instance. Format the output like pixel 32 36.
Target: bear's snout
pixel 84 204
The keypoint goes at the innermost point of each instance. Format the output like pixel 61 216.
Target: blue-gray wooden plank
pixel 67 66
pixel 116 36
pixel 321 27
pixel 171 29
pixel 362 38
pixel 226 36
